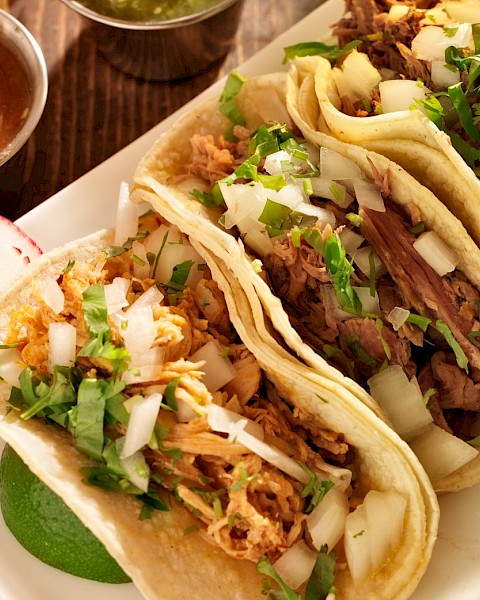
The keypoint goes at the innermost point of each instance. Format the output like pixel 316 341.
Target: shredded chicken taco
pixel 364 273
pixel 135 385
pixel 404 81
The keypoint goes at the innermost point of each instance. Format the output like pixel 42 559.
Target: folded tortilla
pixel 408 137
pixel 173 552
pixel 166 177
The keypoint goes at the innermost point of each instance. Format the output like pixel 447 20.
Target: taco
pixel 344 259
pixel 406 85
pixel 202 460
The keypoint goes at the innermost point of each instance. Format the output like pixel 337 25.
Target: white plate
pixel 89 204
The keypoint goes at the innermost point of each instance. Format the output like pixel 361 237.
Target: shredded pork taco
pixel 404 81
pixel 135 385
pixel 363 272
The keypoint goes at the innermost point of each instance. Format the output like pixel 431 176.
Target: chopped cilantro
pixel 315 489
pixel 462 360
pixel 228 98
pixel 322 579
pixel 112 251
pixel 169 394
pixel 265 567
pixel 330 52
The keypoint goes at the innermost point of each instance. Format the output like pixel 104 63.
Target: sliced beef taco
pixel 135 385
pixel 363 272
pixel 406 85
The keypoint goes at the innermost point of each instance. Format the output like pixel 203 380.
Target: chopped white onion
pixel 275 164
pixel 174 249
pixel 273 456
pixel 372 531
pixel 351 241
pixel 368 195
pixel 127 217
pixel 326 523
pixel 431 41
pixel 397 317
pixel 357 77
pixel 334 166
pixel 402 401
pixel 142 374
pixel 397 11
pixel 245 204
pixel 400 94
pixel 51 293
pixel 218 370
pixel 153 356
pixel 440 452
pixel 141 266
pixel 362 259
pixel 185 412
pixel 442 75
pixel 259 242
pixel 135 466
pixel 437 16
pixel 116 294
pixel 150 297
pixel 370 304
pixel 324 217
pixel 435 252
pixel 142 420
pixel 10 368
pixel 331 190
pixel 222 420
pixel 62 344
pixel 138 330
pixel 465 11
pixel 295 565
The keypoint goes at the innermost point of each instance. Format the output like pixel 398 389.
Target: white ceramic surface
pixel 89 204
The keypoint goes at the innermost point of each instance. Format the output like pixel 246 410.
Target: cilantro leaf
pixel 228 104
pixel 322 578
pixel 265 567
pixel 462 360
pixel 330 52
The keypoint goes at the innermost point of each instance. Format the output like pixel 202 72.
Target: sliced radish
pixel 17 250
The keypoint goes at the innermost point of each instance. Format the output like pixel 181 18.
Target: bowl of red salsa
pixel 23 85
pixel 161 40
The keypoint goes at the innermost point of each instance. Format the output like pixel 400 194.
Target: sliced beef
pixel 430 295
pixel 457 389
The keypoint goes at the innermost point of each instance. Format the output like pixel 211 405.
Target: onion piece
pixel 279 163
pixel 62 344
pixel 10 367
pixel 51 293
pixel 397 11
pixel 142 374
pixel 218 370
pixel 431 41
pixel 331 190
pixel 135 466
pixel 150 297
pixel 440 452
pixel 138 330
pixel 400 94
pixel 402 401
pixel 351 241
pixel 362 259
pixel 295 565
pixel 443 76
pixel 334 166
pixel 357 77
pixel 143 417
pixel 222 420
pixel 368 195
pixel 245 204
pixel 326 523
pixel 397 317
pixel 435 252
pixel 259 242
pixel 127 216
pixel 372 531
pixel 116 294
pixel 273 456
pixel 141 266
pixel 370 304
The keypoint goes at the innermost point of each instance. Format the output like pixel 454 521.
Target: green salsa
pixel 147 10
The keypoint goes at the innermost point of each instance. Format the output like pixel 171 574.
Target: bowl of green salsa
pixel 161 40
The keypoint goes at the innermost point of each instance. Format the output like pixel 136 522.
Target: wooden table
pixel 93 110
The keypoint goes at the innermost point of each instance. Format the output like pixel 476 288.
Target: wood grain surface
pixel 93 110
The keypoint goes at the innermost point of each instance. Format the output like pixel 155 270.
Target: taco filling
pixel 414 57
pixel 134 355
pixel 362 280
